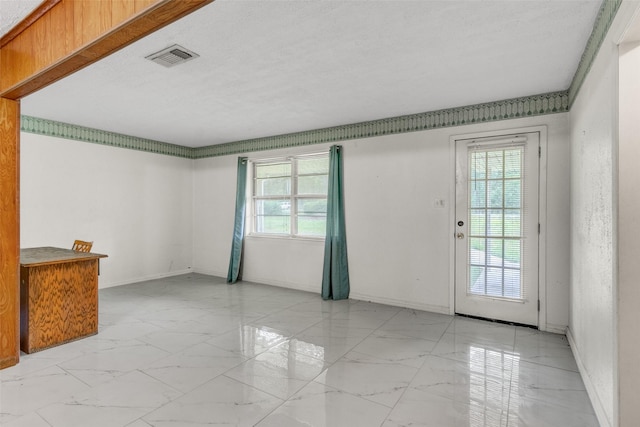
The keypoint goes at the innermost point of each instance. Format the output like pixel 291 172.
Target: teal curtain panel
pixel 238 225
pixel 335 274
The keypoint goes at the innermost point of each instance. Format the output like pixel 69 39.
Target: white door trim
pixel 542 212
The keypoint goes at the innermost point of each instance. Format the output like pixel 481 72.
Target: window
pixel 290 196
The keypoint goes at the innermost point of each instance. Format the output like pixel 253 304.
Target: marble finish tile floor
pixel 192 351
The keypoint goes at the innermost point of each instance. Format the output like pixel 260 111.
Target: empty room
pixel 319 213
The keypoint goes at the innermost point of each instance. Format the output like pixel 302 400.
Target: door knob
pixel 460 235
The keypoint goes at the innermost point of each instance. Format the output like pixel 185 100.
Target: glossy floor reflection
pixel 193 351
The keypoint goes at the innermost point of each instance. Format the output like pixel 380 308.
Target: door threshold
pixel 504 322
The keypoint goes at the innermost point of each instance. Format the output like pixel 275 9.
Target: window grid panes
pixel 495 222
pixel 290 196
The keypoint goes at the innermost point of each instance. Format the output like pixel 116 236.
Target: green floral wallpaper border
pixel 550 103
pixel 603 22
pixel 80 133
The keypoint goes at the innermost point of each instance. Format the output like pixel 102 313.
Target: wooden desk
pixel 58 296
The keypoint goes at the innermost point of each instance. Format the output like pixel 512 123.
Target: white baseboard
pixel 588 384
pixel 261 280
pixel 317 290
pixel 399 303
pixel 556 329
pixel 208 272
pixel 283 284
pixel 353 295
pixel 144 278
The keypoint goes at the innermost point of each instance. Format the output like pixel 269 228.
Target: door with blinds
pixel 496 230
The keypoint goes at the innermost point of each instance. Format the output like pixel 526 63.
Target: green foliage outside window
pixel 290 196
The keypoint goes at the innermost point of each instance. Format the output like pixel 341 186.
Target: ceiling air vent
pixel 173 55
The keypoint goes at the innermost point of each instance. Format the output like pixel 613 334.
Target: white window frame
pixel 293 197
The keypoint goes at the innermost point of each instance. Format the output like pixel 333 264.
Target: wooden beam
pixel 59 38
pixel 73 34
pixel 9 233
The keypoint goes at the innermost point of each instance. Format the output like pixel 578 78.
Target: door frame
pixel 542 212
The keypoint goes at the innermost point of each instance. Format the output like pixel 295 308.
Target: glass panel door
pixel 495 222
pixel 497 228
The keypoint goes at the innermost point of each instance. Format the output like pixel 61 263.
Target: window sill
pixel 286 237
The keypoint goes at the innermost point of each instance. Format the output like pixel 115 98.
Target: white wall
pixel 628 228
pixel 135 206
pixel 398 241
pixel 157 215
pixel 299 262
pixel 592 323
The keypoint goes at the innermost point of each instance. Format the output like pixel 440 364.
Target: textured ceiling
pixel 275 67
pixel 13 11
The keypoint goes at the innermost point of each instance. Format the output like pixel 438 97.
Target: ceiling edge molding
pixel 601 26
pixel 80 133
pixel 536 105
pixel 549 103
